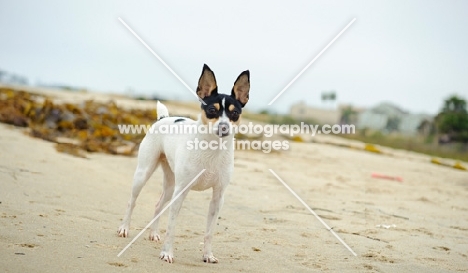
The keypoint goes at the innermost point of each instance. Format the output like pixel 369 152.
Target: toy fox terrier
pixel 181 165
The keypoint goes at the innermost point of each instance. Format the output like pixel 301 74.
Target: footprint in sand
pixel 441 248
pixel 28 245
pixel 116 264
pixel 330 217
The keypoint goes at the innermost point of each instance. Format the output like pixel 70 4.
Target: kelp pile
pixel 87 126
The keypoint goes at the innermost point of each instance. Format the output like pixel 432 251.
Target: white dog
pixel 181 165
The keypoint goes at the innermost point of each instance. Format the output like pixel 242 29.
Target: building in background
pixel 303 112
pixel 385 117
pixel 388 118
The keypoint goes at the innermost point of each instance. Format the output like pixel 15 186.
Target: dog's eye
pixel 235 114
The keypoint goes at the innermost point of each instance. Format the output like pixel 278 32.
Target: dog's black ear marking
pixel 179 120
pixel 207 83
pixel 241 88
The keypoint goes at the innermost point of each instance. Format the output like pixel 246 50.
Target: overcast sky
pixel 411 53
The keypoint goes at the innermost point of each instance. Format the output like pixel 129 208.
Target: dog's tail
pixel 161 110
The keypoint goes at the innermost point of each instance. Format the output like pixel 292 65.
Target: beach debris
pixel 456 165
pixel 459 166
pixel 297 139
pixel 71 149
pixel 76 128
pixel 385 226
pixel 388 177
pixel 394 215
pixel 356 146
pixel 372 148
pixel 366 236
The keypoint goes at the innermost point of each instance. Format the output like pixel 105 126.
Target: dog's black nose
pixel 223 129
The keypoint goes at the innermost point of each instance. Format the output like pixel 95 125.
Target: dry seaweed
pixel 71 149
pixel 87 126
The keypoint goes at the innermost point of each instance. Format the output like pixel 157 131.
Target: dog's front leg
pixel 215 206
pixel 167 251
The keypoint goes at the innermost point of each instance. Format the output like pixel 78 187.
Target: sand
pixel 59 213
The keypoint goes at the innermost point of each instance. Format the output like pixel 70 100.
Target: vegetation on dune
pixel 452 121
pixel 449 138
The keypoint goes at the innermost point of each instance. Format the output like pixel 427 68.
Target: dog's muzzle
pixel 223 129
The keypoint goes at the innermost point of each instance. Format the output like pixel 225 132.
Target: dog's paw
pixel 123 230
pixel 210 259
pixel 166 256
pixel 154 236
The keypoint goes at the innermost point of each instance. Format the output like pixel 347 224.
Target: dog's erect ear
pixel 207 83
pixel 241 88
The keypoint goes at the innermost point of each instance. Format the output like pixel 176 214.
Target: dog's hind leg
pixel 148 160
pixel 168 191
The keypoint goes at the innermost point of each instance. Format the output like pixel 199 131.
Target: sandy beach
pixel 60 213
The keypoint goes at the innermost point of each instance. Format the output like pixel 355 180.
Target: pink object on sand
pixel 389 177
